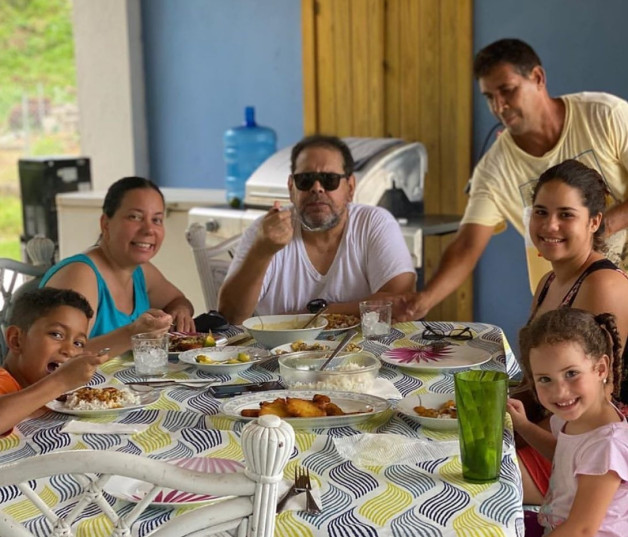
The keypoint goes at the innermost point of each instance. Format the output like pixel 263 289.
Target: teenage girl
pixel 570 355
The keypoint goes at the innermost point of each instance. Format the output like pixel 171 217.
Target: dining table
pixel 395 496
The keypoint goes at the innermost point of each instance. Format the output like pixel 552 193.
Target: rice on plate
pixel 100 398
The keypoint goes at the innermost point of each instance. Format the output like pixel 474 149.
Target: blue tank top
pixel 108 317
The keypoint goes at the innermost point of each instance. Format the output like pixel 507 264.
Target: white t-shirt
pixel 372 252
pixel 595 133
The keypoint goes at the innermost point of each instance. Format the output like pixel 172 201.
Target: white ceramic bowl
pixel 347 372
pixel 274 330
pixel 222 355
pixel 428 400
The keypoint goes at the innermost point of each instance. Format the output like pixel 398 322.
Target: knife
pixel 169 382
pixel 239 339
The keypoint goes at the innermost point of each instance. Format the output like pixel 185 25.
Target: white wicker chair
pixel 212 263
pixel 17 276
pixel 267 444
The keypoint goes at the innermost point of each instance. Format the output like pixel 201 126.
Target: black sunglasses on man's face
pixel 328 180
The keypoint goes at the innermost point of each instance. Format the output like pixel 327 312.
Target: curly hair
pixel 597 335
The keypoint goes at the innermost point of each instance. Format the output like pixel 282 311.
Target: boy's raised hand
pixel 78 370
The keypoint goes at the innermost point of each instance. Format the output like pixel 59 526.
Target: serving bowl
pixel 430 401
pixel 274 330
pixel 349 372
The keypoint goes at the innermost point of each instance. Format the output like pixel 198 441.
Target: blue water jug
pixel 246 147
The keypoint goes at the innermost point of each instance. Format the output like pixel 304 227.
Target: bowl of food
pixel 431 410
pixel 274 330
pixel 349 372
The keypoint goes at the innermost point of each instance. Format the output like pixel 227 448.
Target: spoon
pixel 343 343
pixel 312 319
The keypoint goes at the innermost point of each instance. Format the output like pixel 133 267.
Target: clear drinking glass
pixel 375 316
pixel 150 353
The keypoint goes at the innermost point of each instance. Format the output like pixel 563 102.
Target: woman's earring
pixel 604 380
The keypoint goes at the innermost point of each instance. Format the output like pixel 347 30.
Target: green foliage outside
pixel 37 64
pixel 36 48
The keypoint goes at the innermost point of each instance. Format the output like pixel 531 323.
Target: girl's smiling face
pixel 561 226
pixel 568 382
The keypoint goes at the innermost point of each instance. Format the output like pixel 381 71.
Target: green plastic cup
pixel 481 404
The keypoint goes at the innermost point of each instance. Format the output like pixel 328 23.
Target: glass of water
pixel 150 353
pixel 375 316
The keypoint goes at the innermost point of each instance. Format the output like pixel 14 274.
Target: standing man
pixel 540 131
pixel 324 249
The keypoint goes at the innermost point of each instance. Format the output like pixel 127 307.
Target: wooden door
pixel 400 68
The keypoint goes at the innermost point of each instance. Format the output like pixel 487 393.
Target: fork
pixel 303 484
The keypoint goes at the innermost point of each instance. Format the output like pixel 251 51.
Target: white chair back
pixel 212 262
pixel 267 444
pixel 18 277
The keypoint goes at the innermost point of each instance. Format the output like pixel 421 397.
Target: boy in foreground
pixel 46 337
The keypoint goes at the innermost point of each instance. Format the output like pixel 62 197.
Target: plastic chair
pixel 267 444
pixel 17 277
pixel 212 263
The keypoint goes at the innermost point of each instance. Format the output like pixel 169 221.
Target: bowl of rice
pixel 274 330
pixel 348 372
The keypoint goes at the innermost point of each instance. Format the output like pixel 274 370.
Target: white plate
pixel 145 399
pixel 428 400
pixel 134 490
pixel 367 406
pixel 436 357
pixel 223 354
pixel 328 346
pixel 220 341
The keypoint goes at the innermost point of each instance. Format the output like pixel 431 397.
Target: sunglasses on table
pixel 328 180
pixel 435 334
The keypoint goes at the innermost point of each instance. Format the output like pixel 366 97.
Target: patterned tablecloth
pixel 422 498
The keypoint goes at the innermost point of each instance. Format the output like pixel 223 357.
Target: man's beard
pixel 318 224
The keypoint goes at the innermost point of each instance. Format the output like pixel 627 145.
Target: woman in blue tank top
pixel 127 292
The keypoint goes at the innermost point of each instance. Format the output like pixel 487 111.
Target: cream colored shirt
pixel 595 133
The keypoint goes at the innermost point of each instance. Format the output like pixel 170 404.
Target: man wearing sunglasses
pixel 323 250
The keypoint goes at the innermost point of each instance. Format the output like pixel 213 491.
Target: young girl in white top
pixel 570 355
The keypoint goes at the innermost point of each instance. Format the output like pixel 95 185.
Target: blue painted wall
pixel 582 46
pixel 205 61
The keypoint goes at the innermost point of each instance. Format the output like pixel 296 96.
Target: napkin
pixel 297 502
pixel 385 389
pixel 386 449
pixel 86 427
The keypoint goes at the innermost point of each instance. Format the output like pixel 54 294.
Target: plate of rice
pixel 99 401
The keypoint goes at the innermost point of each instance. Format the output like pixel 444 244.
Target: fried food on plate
pixel 294 407
pixel 277 407
pixel 304 408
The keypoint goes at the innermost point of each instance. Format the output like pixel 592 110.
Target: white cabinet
pixel 79 227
